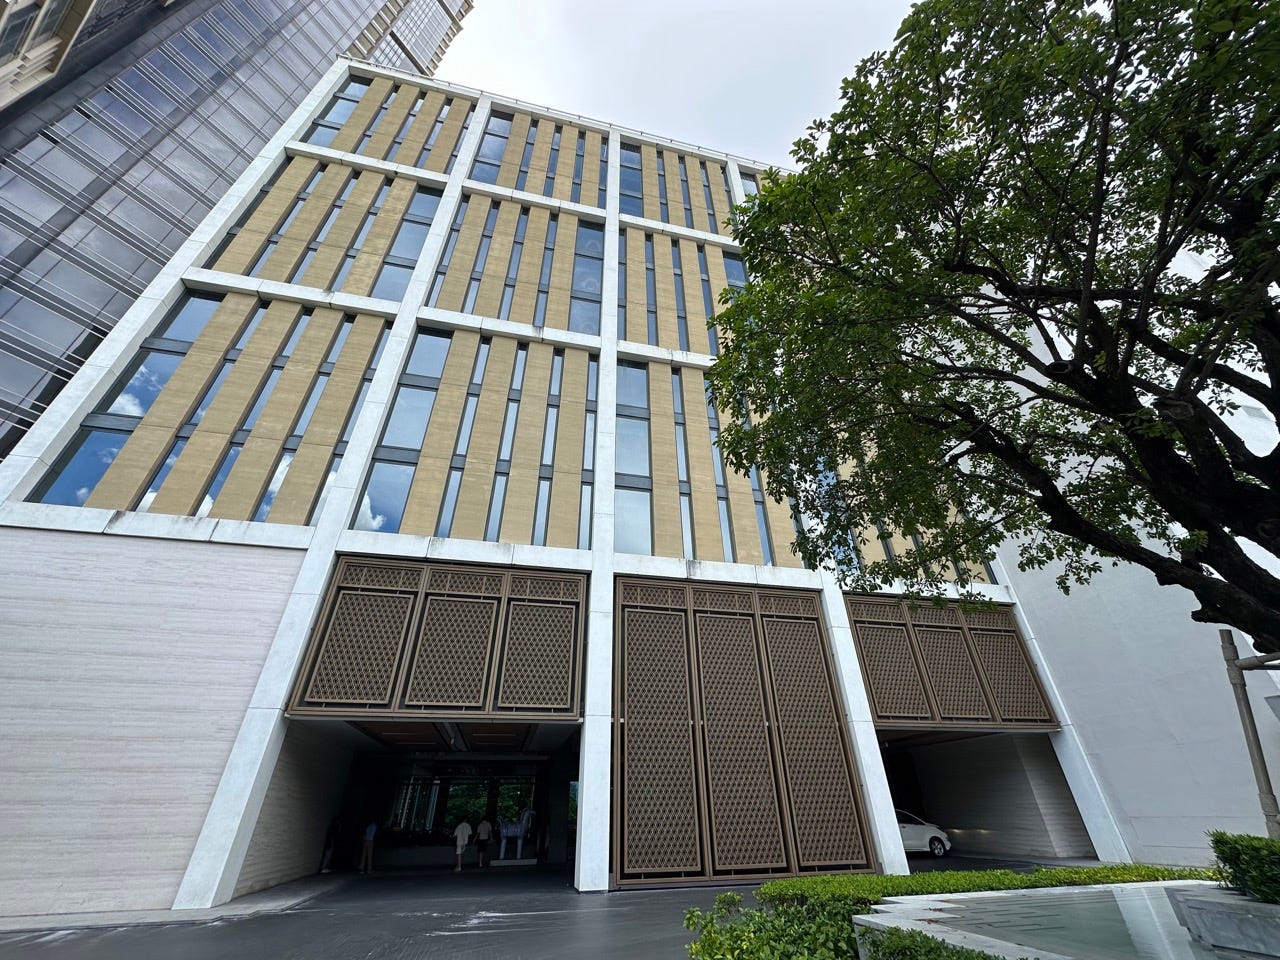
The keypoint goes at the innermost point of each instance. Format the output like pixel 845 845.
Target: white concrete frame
pixel 220 849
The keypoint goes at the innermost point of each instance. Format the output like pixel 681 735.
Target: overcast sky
pixel 742 76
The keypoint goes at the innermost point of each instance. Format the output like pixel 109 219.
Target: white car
pixel 920 836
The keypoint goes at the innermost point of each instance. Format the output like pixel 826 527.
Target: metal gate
pixel 730 754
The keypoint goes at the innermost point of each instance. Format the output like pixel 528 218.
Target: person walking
pixel 484 833
pixel 461 837
pixel 366 848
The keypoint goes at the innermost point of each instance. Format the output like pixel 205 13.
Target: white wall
pixel 126 666
pixel 1001 794
pixel 304 796
pixel 1146 689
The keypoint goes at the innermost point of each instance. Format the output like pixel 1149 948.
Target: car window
pixel 907 818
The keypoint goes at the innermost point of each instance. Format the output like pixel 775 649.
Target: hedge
pixel 1248 864
pixel 812 917
pixel 867 889
pixel 913 945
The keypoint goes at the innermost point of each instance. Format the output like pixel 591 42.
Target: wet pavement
pixel 530 915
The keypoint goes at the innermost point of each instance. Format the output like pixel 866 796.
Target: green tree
pixel 1024 280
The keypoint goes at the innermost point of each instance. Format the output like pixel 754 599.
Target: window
pixel 492 146
pixel 650 292
pixel 523 176
pixel 434 135
pixel 622 284
pixel 458 464
pixel 462 135
pixel 682 319
pixel 546 463
pixel 78 471
pixel 548 185
pixel 481 260
pixel 579 157
pixel 631 181
pixel 386 491
pixel 588 278
pixel 602 191
pixel 708 304
pixel 397 267
pixel 749 185
pixel 662 189
pixel 722 489
pixel 398 140
pixel 684 193
pixel 712 219
pixel 15 32
pixel 633 527
pixel 447 257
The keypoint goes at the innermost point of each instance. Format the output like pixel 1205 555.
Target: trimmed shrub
pixel 866 889
pixel 812 917
pixel 1248 864
pixel 913 945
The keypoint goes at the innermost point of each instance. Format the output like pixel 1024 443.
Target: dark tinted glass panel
pixel 429 354
pixel 382 506
pixel 152 372
pixel 93 452
pixel 191 317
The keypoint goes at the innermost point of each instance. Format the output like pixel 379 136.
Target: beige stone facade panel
pixel 540 157
pixel 522 487
pixel 664 282
pixel 697 198
pixel 557 317
pixel 450 134
pixel 721 199
pixel 706 517
pixel 425 494
pixel 715 271
pixel 563 187
pixel 458 274
pixel 510 168
pixel 566 487
pixel 386 224
pixel 246 246
pixel 347 137
pixel 302 484
pixel 667 524
pixel 742 508
pixel 482 453
pixel 649 176
pixel 591 170
pixel 783 530
pixel 416 136
pixel 525 296
pixel 637 295
pixel 389 125
pixel 489 296
pixel 695 314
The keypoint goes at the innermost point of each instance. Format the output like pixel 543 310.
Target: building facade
pixel 396 498
pixel 108 164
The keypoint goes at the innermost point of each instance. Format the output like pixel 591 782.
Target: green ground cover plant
pixel 913 945
pixel 812 917
pixel 1248 864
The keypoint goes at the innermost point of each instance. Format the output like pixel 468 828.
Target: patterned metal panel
pixel 877 612
pixel 999 619
pixel 722 600
pixel 538 664
pixel 660 825
pixel 357 661
pixel 941 666
pixel 799 605
pixel 819 784
pixel 380 576
pixel 451 664
pixel 952 675
pixel 1008 670
pixel 893 681
pixel 746 829
pixel 653 595
pixel 948 616
pixel 546 588
pixel 472 582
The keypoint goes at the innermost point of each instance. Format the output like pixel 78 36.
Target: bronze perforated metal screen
pixel 932 667
pixel 731 758
pixel 401 638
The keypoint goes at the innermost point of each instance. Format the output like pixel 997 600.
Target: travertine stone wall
pixel 128 666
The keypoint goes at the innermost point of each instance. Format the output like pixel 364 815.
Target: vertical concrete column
pixel 1091 799
pixel 219 853
pixel 882 822
pixel 595 762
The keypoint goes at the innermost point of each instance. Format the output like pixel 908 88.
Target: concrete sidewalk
pixel 533 914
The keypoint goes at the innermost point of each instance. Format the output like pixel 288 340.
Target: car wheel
pixel 937 847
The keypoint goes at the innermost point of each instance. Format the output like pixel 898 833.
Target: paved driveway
pixel 497 916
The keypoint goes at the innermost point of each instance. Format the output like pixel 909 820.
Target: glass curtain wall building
pixel 107 168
